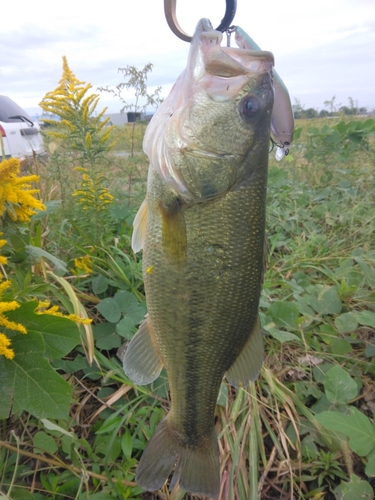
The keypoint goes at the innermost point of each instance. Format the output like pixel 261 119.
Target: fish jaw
pixel 192 125
pixel 282 121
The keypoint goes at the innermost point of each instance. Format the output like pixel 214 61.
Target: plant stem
pixel 59 463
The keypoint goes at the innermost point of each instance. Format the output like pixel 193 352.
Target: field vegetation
pixel 73 426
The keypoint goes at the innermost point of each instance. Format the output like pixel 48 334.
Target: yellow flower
pixel 46 308
pixel 6 323
pixel 17 198
pixel 3 260
pixel 4 347
pixel 83 264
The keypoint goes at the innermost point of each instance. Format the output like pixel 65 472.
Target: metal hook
pixel 170 14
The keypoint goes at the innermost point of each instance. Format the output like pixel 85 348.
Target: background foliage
pixel 78 426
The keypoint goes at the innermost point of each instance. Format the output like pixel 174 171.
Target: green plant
pixel 135 79
pixel 78 129
pixel 304 429
pixel 326 467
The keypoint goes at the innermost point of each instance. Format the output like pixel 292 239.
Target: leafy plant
pixel 303 430
pixel 79 129
pixel 135 79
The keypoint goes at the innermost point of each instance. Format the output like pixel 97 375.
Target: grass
pixel 317 308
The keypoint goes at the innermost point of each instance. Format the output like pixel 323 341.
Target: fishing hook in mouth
pixel 170 15
pixel 281 145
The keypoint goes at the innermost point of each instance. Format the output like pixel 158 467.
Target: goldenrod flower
pixel 17 198
pixel 4 347
pixel 77 125
pixel 46 308
pixel 3 260
pixel 6 323
pixel 92 195
pixel 83 264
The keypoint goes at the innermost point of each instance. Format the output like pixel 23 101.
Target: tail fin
pixel 197 468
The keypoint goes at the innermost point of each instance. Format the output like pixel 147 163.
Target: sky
pixel 322 48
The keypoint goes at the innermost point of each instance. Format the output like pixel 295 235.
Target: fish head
pixel 215 123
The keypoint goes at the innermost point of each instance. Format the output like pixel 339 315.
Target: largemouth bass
pixel 202 230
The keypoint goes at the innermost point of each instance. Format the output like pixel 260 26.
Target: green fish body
pixel 202 230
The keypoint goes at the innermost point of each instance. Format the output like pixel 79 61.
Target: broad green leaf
pixel 309 448
pixel 109 342
pixel 20 493
pixel 137 312
pixel 31 382
pixel 302 279
pixel 99 284
pixel 60 334
pixel 284 313
pixel 324 405
pixel 105 336
pixel 355 489
pixel 110 309
pixel 35 253
pixel 346 323
pixel 78 363
pixel 326 302
pixel 339 386
pixel 103 329
pixel 125 300
pixel 356 426
pixel 370 467
pixel 340 346
pixel 125 327
pixel 127 444
pixel 366 318
pixel 130 306
pixel 280 335
pixel 44 442
pixel 319 371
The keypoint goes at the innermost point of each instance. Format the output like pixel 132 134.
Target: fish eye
pixel 249 106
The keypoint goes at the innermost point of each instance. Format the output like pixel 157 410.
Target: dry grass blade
pixel 79 310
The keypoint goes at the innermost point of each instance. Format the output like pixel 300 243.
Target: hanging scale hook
pixel 170 14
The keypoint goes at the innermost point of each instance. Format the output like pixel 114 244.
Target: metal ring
pixel 170 15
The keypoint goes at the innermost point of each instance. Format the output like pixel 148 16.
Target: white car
pixel 20 135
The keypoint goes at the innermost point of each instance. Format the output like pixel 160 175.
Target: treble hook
pixel 170 14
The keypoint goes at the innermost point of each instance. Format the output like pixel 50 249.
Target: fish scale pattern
pixel 203 310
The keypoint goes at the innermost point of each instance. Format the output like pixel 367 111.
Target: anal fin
pixel 247 366
pixel 142 362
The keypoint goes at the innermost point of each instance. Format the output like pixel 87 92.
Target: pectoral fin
pixel 142 362
pixel 247 366
pixel 173 232
pixel 139 231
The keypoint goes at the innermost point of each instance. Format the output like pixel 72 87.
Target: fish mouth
pixel 227 62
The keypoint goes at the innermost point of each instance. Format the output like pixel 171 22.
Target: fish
pixel 202 231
